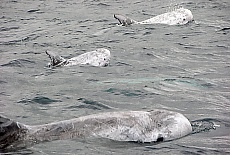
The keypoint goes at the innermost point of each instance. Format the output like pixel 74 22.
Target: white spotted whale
pixel 179 16
pixel 98 57
pixel 132 126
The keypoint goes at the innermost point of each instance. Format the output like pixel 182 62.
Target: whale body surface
pixel 98 57
pixel 179 16
pixel 137 126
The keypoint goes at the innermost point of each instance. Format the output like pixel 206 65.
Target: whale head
pixel 186 16
pixel 103 58
pixel 173 127
pixel 168 125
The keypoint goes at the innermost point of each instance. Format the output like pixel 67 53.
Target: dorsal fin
pixel 55 60
pixel 11 133
pixel 124 21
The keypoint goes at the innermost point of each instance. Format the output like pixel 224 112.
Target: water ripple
pixel 89 104
pixel 19 63
pixel 39 100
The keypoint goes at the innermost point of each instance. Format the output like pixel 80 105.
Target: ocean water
pixel 179 68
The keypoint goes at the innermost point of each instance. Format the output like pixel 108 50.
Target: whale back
pixel 177 17
pixel 137 126
pixel 98 57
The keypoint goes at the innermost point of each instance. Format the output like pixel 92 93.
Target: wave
pixel 19 63
pixel 39 100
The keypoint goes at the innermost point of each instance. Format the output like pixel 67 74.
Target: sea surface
pixel 179 68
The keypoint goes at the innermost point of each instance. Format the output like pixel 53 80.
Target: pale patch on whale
pixel 98 57
pixel 179 16
pixel 137 126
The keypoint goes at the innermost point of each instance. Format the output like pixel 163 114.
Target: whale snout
pixel 179 127
pixel 186 15
pixel 102 57
pixel 105 64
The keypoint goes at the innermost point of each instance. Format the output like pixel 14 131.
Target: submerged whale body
pixel 98 57
pixel 179 16
pixel 137 126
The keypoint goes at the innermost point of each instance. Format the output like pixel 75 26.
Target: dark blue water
pixel 179 68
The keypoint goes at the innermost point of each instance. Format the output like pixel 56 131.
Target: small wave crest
pixel 125 92
pixel 39 100
pixel 18 63
pixel 90 104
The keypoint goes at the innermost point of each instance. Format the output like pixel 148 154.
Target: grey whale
pixel 98 57
pixel 138 126
pixel 179 16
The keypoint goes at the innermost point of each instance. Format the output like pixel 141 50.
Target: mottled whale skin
pixel 179 16
pixel 137 126
pixel 98 57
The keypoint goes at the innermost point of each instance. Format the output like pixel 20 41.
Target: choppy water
pixel 180 68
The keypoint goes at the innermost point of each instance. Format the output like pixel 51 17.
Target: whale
pixel 128 126
pixel 179 16
pixel 99 57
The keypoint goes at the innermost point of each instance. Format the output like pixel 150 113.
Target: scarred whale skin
pixel 179 16
pixel 98 57
pixel 138 126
